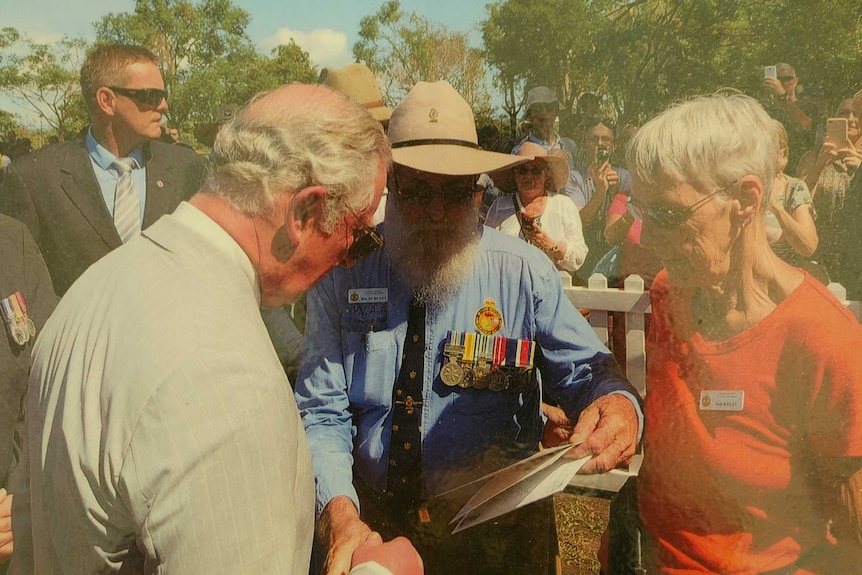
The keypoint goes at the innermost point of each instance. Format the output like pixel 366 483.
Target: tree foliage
pixel 44 79
pixel 405 48
pixel 640 55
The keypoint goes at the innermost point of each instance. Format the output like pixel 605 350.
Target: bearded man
pixel 422 362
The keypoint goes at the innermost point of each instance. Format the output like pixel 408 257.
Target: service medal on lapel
pixel 18 322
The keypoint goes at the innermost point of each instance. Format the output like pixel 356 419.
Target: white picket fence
pixel 633 300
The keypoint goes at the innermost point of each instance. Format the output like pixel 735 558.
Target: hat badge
pixel 432 115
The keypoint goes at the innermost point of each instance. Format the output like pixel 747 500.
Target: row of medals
pixel 479 374
pixel 18 320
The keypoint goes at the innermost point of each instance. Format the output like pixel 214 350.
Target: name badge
pixel 712 400
pixel 368 295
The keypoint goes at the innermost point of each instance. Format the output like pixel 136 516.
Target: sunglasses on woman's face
pixel 535 170
pixel 667 218
pixel 145 96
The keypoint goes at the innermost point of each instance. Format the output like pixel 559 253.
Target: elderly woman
pixel 753 433
pixel 537 213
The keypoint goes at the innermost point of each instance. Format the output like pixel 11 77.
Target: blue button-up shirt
pixel 354 340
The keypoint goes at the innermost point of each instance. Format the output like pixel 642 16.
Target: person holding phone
pixel 537 213
pixel 828 173
pixel 796 116
pixel 592 188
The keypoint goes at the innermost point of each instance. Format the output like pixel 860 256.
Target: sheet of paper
pixel 543 483
pixel 611 481
pixel 494 483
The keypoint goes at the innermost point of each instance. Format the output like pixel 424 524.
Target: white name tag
pixel 711 400
pixel 368 295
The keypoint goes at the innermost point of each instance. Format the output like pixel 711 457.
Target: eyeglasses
pixel 667 218
pixel 146 96
pixel 452 193
pixel 786 79
pixel 535 170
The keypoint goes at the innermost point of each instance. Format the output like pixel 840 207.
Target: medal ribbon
pixel 469 347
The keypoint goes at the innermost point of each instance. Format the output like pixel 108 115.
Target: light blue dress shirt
pixel 102 158
pixel 353 353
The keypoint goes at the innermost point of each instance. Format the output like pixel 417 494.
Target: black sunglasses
pixel 365 242
pixel 451 193
pixel 146 96
pixel 535 170
pixel 667 218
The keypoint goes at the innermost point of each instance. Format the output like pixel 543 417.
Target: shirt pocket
pixel 474 401
pixel 370 367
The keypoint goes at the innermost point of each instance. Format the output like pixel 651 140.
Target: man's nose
pixel 436 209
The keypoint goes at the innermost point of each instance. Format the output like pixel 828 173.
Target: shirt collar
pixel 103 157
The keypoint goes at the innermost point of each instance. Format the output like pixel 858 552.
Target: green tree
pixel 405 48
pixel 44 79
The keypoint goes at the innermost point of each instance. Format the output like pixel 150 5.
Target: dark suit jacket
pixel 21 269
pixel 54 191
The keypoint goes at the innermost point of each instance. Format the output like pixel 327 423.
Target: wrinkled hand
pixel 608 428
pixel 539 238
pixel 341 531
pixel 558 428
pixel 6 540
pixel 398 555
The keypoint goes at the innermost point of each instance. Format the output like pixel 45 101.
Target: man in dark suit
pixel 23 278
pixel 78 197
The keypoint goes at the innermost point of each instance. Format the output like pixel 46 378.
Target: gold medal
pixel 466 381
pixel 481 376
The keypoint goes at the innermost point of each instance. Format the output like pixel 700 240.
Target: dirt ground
pixel 580 524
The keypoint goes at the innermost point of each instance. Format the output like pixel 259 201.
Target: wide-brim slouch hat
pixel 557 162
pixel 358 81
pixel 433 130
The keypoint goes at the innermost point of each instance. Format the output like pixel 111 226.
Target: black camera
pixel 602 155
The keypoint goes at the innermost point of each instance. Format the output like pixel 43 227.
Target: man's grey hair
pixel 708 142
pixel 258 157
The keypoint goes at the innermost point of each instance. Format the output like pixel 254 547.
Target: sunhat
pixel 556 160
pixel 433 130
pixel 357 81
pixel 542 95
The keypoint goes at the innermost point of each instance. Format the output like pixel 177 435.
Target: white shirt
pixel 560 220
pixel 161 425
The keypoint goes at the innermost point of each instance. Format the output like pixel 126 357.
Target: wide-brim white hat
pixel 358 81
pixel 557 162
pixel 433 130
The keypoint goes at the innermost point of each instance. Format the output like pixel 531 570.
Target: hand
pixel 775 86
pixel 398 555
pixel 850 156
pixel 608 428
pixel 6 539
pixel 612 176
pixel 598 173
pixel 828 153
pixel 558 428
pixel 341 531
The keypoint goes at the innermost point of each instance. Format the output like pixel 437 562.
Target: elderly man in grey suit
pixel 163 432
pixel 83 198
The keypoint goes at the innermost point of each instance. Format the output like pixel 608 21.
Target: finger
pixel 586 424
pixel 5 523
pixel 6 550
pixel 6 505
pixel 6 537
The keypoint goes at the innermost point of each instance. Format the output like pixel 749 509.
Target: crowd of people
pixel 284 358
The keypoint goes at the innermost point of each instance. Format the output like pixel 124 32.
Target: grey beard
pixel 434 258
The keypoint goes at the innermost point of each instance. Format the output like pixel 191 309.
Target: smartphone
pixel 770 72
pixel 602 155
pixel 836 131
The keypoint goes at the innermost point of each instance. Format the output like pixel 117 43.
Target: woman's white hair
pixel 257 157
pixel 708 142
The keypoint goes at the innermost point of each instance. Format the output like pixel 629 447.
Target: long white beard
pixel 434 258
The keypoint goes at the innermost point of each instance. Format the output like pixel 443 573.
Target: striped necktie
pixel 127 203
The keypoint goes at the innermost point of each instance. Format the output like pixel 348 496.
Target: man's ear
pixel 305 212
pixel 748 198
pixel 106 100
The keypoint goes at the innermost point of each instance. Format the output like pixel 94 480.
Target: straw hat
pixel 357 81
pixel 433 130
pixel 557 162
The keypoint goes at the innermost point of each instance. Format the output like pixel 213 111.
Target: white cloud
pixel 325 47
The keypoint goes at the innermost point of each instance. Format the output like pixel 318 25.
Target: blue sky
pixel 326 29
